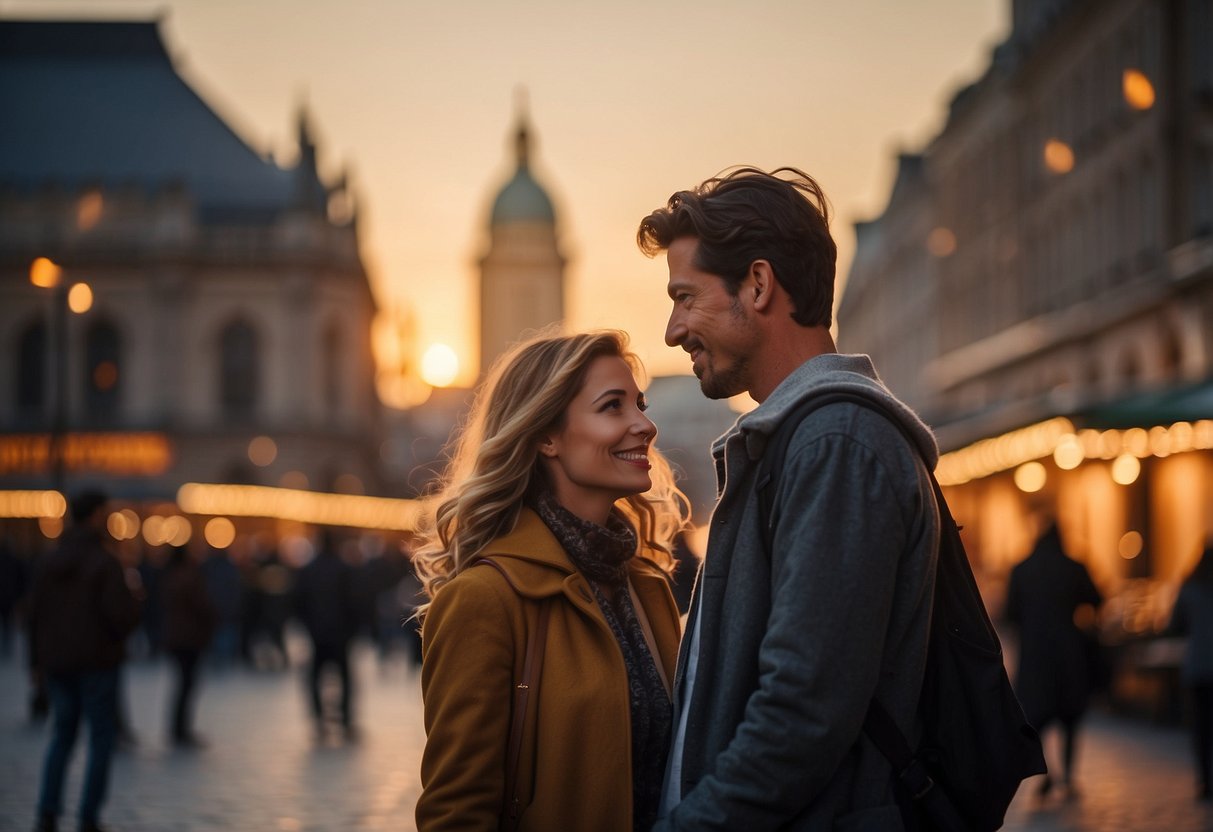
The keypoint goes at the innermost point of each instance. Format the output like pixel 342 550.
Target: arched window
pixel 238 370
pixel 102 372
pixel 32 370
pixel 331 364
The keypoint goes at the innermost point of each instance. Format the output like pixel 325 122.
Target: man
pixel 81 611
pixel 785 648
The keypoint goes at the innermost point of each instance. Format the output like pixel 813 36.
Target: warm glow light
pixel 1137 89
pixel 941 242
pixel 1125 469
pixel 1069 453
pixel 262 451
pixel 1059 157
pixel 30 504
pixel 1160 442
pixel 1030 477
pixel 1137 442
pixel 1130 545
pixel 301 506
pixel 45 273
pixel 439 365
pixel 120 527
pixel 122 454
pixel 51 527
pixel 1002 453
pixel 219 532
pixel 89 209
pixel 153 530
pixel 176 530
pixel 80 298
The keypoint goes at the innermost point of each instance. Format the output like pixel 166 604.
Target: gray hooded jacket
pixel 792 646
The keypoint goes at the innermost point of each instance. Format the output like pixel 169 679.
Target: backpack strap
pixel 532 669
pixel 878 724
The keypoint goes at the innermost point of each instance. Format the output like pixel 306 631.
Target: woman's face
pixel 600 454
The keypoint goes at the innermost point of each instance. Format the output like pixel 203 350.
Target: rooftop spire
pixel 522 138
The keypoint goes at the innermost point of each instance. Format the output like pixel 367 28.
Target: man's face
pixel 709 323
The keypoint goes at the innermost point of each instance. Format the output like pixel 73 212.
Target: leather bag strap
pixel 524 688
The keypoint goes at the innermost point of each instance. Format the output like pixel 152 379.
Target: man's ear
pixel 762 285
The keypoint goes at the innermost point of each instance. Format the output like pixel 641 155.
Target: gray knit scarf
pixel 601 554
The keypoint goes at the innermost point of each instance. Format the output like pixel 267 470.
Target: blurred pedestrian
pixel 324 603
pixel 223 588
pixel 189 622
pixel 13 579
pixel 1054 682
pixel 81 611
pixel 1193 617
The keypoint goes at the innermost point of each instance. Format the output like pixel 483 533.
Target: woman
pixel 557 483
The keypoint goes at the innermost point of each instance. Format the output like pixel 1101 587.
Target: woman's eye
pixel 642 405
pixel 613 404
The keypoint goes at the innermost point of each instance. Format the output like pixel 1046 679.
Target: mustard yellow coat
pixel 576 756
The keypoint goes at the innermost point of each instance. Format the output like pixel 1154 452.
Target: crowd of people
pixel 86 608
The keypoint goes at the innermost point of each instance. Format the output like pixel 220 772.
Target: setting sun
pixel 439 365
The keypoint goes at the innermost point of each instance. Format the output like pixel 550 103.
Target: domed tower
pixel 522 275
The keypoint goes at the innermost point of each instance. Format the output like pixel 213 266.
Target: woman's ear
pixel 547 446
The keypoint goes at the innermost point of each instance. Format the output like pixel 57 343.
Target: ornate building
pixel 522 274
pixel 227 339
pixel 1040 286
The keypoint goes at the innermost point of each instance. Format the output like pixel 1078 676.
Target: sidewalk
pixel 263 771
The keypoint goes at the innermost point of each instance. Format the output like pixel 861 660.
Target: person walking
pixel 325 604
pixel 81 612
pixel 552 537
pixel 189 623
pixel 1055 673
pixel 1192 616
pixel 787 646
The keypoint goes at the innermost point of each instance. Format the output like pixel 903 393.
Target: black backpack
pixel 976 745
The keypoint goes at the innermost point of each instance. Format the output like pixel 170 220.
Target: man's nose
pixel 675 330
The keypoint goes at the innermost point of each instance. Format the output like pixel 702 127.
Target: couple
pixel 558 518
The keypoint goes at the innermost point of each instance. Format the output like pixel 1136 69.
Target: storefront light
pixel 1030 477
pixel 1069 453
pixel 1130 545
pixel 1125 469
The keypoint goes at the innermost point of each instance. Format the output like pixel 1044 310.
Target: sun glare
pixel 439 365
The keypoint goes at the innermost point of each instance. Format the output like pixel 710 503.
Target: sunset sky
pixel 629 101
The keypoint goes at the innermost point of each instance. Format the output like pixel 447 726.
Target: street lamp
pixel 46 274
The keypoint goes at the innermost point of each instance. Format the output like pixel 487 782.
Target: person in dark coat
pixel 1193 617
pixel 81 612
pixel 189 623
pixel 1054 680
pixel 325 604
pixel 224 587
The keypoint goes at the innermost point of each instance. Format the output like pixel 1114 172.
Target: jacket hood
pixel 830 372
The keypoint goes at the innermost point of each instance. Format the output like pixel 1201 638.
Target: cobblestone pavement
pixel 264 770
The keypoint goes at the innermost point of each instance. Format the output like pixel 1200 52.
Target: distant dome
pixel 522 199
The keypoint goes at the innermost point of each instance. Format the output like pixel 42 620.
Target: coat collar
pixel 537 564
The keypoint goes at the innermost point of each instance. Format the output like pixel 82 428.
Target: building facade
pixel 1041 288
pixel 227 338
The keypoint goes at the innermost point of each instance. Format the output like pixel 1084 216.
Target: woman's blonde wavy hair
pixel 495 464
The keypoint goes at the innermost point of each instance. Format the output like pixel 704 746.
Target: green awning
pixel 1189 403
